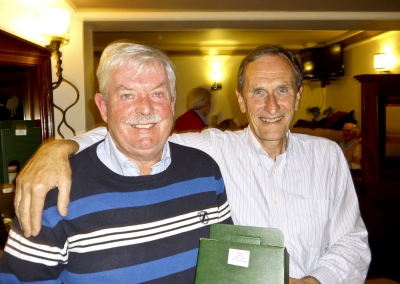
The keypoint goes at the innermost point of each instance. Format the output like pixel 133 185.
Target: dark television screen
pixel 322 62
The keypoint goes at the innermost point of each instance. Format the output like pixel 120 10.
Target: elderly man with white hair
pixel 139 205
pixel 351 145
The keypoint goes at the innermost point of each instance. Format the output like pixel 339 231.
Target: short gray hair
pixel 197 98
pixel 353 127
pixel 272 50
pixel 135 55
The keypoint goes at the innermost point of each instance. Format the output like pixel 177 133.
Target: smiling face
pixel 269 99
pixel 139 112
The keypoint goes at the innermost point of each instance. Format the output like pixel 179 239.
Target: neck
pixel 274 148
pixel 202 111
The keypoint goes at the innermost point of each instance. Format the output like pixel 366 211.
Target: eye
pixel 259 94
pixel 283 91
pixel 127 96
pixel 158 94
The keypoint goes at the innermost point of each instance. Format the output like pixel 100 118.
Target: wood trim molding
pixel 15 51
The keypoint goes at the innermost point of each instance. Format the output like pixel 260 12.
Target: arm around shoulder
pixel 47 168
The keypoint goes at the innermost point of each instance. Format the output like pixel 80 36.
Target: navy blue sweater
pixel 123 229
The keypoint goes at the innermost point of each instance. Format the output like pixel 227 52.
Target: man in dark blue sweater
pixel 139 204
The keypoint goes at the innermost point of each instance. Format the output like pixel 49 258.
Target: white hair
pixel 135 55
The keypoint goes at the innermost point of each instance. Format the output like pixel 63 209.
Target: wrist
pixel 67 146
pixel 310 280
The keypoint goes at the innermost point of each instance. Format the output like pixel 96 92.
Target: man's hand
pixel 46 169
pixel 305 280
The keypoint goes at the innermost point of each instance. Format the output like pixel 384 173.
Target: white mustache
pixel 144 119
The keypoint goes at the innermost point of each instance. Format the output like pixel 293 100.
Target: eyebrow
pixel 264 89
pixel 124 88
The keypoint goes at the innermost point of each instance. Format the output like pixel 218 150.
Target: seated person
pixel 351 145
pixel 198 105
pixel 139 204
pixel 227 124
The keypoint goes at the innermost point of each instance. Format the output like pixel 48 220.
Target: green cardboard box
pixel 242 254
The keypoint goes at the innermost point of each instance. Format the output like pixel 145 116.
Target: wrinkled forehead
pixel 149 67
pixel 270 64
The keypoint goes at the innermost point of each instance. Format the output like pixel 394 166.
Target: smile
pixel 271 119
pixel 143 126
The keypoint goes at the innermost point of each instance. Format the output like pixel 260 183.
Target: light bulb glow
pixel 54 22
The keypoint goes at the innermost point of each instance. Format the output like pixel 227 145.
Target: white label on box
pixel 20 132
pixel 8 190
pixel 239 257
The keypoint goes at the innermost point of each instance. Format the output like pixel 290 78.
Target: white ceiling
pixel 235 26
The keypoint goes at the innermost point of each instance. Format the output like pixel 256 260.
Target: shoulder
pixel 192 161
pixel 185 153
pixel 82 162
pixel 189 113
pixel 85 154
pixel 309 142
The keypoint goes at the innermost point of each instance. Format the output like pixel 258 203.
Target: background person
pixel 198 103
pixel 351 145
pixel 227 124
pixel 139 205
pixel 298 183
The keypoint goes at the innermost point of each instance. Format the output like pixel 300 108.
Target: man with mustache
pixel 139 205
pixel 298 183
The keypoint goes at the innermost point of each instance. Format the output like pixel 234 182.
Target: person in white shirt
pixel 298 183
pixel 351 145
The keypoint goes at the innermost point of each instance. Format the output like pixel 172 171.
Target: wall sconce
pixel 216 76
pixel 380 63
pixel 55 23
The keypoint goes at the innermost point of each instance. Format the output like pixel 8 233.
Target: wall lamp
pixel 380 63
pixel 216 76
pixel 55 24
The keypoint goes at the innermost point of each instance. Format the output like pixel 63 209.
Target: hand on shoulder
pixel 46 169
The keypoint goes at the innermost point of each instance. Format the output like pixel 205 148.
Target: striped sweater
pixel 122 229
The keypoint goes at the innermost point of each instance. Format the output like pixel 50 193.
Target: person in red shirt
pixel 198 105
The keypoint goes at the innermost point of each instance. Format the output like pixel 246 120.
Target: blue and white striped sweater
pixel 146 229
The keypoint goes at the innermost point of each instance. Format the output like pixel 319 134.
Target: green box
pixel 19 139
pixel 242 254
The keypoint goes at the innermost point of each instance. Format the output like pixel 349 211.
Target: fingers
pixel 17 198
pixel 63 197
pixel 21 204
pixel 46 169
pixel 36 206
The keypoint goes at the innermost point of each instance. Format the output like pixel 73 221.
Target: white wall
pixel 194 71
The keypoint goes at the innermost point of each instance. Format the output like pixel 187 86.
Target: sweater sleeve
pixel 34 259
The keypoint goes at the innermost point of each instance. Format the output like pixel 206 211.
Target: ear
pixel 241 102
pixel 173 106
pixel 101 105
pixel 297 99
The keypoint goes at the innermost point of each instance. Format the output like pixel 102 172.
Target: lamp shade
pixel 380 61
pixel 54 22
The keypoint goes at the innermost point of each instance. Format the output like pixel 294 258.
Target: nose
pixel 271 105
pixel 144 105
